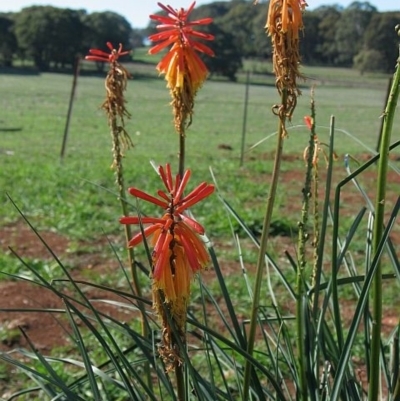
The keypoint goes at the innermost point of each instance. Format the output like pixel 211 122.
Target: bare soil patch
pixel 47 330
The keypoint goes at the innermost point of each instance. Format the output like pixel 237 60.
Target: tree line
pixel 57 36
pixel 356 36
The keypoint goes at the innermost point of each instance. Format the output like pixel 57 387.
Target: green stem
pixel 179 368
pixel 388 117
pixel 180 381
pixel 263 248
pixel 182 138
pixel 335 253
pixel 396 365
pixel 322 235
pixel 117 155
pixel 300 278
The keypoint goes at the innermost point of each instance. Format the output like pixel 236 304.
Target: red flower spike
pixel 180 62
pixel 308 121
pixel 112 57
pixel 163 256
pixel 176 240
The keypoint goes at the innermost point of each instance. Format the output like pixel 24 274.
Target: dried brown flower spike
pixel 283 25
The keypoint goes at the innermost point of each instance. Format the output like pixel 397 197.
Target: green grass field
pixel 63 195
pixel 34 109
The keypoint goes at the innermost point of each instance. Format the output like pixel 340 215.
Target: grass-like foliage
pixel 302 325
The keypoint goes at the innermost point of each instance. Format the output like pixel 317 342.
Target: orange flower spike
pixel 178 250
pixel 190 252
pixel 182 283
pixel 177 30
pixel 193 246
pixel 162 255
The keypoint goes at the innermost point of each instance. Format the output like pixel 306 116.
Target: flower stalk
pixel 311 156
pixel 284 21
pixel 262 251
pixel 184 72
pixel 388 117
pixel 114 106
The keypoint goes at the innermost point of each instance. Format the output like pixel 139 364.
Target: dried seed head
pixel 284 23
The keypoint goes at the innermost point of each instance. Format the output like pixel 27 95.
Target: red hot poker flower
pixel 308 120
pixel 182 59
pixel 112 57
pixel 178 250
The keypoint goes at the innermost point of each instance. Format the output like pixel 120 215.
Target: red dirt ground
pixel 45 330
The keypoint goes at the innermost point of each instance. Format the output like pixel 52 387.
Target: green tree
pixel 136 38
pixel 228 58
pixel 327 27
pixel 103 27
pixel 350 29
pixel 66 46
pixel 215 10
pixel 310 40
pixel 369 60
pixel 380 36
pixel 8 41
pixel 261 41
pixel 239 21
pixel 49 34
